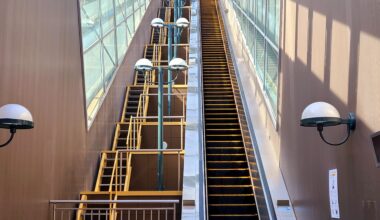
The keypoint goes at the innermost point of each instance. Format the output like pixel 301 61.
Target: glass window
pixel 129 6
pixel 260 25
pixel 122 45
pixel 93 70
pixel 260 13
pixel 260 55
pixel 107 15
pixel 120 9
pixel 109 56
pixel 90 23
pixel 273 20
pixel 107 29
pixel 271 76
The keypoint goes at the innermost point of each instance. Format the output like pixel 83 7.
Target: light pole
pixel 144 65
pixel 180 23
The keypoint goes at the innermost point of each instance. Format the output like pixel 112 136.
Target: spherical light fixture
pixel 323 114
pixel 178 64
pixel 157 23
pixel 13 117
pixel 182 23
pixel 143 65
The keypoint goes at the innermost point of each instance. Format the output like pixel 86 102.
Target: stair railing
pixel 128 174
pixel 65 209
pixel 100 171
pixel 114 176
pixel 80 212
pixel 129 153
pixel 125 105
pixel 117 134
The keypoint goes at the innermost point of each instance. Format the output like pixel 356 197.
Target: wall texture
pixel 40 68
pixel 330 52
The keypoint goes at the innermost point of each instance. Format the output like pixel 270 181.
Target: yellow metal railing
pixel 129 209
pixel 125 104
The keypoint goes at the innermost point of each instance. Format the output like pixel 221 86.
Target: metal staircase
pixel 113 197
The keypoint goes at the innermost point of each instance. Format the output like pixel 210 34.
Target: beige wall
pixel 40 68
pixel 330 52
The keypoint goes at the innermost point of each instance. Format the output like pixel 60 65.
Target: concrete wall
pixel 40 68
pixel 330 52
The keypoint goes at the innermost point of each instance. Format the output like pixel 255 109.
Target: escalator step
pixel 225 150
pixel 231 199
pixel 224 164
pixel 217 172
pixel 230 189
pixel 224 143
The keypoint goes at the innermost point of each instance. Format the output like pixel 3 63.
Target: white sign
pixel 333 192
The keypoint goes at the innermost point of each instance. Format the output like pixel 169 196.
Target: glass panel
pixel 260 15
pixel 260 55
pixel 109 56
pixel 252 10
pixel 260 25
pixel 122 45
pixel 137 4
pixel 129 6
pixel 93 72
pixel 273 20
pixel 137 18
pixel 251 39
pixel 120 8
pixel 90 22
pixel 271 77
pixel 130 26
pixel 107 15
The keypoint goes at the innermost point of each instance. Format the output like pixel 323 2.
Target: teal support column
pixel 176 16
pixel 180 5
pixel 160 130
pixel 175 10
pixel 175 41
pixel 170 57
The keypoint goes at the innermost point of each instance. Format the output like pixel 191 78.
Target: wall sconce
pixel 13 117
pixel 322 114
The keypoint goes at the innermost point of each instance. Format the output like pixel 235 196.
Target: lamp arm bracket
pixel 12 131
pixel 320 130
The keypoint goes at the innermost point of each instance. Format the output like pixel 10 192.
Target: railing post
pixel 174 212
pixel 178 170
pixel 54 207
pixel 120 171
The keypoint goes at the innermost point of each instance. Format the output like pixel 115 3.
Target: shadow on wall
pixel 329 62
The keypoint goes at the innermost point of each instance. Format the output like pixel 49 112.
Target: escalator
pixel 230 193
